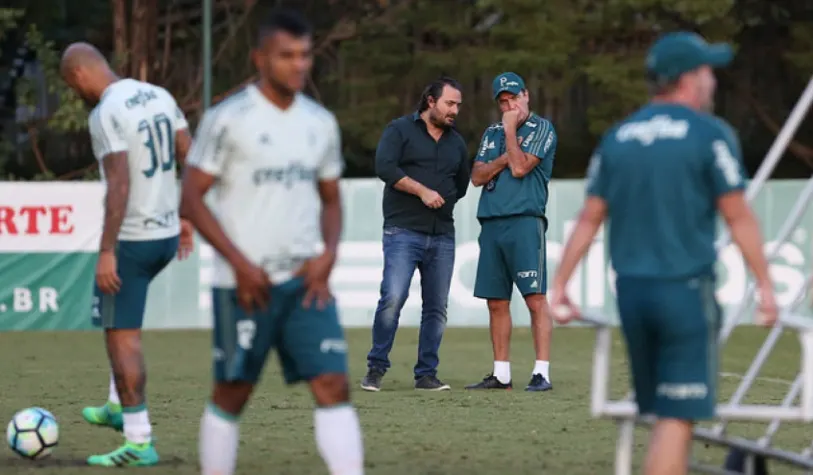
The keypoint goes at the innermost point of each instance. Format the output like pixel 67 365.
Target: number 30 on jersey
pixel 159 138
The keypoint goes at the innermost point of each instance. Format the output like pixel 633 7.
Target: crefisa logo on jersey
pixel 141 98
pixel 288 176
pixel 657 128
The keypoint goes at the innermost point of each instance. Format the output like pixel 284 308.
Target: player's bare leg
pixel 130 374
pixel 336 425
pixel 127 362
pixel 219 428
pixel 499 324
pixel 232 397
pixel 541 329
pixel 669 448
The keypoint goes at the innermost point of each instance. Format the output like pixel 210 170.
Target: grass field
pixel 406 432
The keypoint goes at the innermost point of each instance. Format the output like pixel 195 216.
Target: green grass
pixel 406 432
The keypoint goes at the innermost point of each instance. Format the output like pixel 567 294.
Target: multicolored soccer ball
pixel 33 433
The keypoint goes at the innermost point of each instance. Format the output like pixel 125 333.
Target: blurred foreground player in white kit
pixel 138 133
pixel 273 158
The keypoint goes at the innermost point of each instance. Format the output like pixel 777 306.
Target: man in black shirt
pixel 424 164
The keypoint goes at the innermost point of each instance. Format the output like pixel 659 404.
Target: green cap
pixel 507 82
pixel 677 53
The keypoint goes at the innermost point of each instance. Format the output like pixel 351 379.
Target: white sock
pixel 339 440
pixel 113 398
pixel 137 428
pixel 218 441
pixel 502 371
pixel 543 368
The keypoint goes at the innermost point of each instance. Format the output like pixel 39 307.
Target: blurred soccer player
pixel 273 156
pixel 137 132
pixel 660 176
pixel 514 165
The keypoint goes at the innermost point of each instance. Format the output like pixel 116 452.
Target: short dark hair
pixel 435 89
pixel 289 21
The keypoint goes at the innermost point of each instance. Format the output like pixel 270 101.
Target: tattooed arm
pixel 106 125
pixel 117 175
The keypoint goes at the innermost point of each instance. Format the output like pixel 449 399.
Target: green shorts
pixel 671 329
pixel 138 263
pixel 512 251
pixel 310 342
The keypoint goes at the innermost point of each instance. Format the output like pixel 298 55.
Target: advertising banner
pixel 49 235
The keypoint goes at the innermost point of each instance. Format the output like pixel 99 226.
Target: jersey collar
pixel 259 96
pixel 532 118
pixel 110 88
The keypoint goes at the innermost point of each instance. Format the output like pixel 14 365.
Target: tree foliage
pixel 582 61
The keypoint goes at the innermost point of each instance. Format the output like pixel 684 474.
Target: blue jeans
pixel 433 256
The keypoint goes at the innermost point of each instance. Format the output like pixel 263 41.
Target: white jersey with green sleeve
pixel 267 163
pixel 142 119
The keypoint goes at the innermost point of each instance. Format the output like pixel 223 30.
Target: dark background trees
pixel 582 61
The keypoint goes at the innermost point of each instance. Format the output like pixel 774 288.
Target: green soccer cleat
pixel 108 415
pixel 128 455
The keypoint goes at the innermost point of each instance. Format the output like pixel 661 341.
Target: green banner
pixel 46 291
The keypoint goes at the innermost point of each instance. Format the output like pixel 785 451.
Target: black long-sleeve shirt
pixel 407 149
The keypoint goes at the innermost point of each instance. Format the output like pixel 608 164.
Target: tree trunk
pixel 139 61
pixel 152 38
pixel 120 52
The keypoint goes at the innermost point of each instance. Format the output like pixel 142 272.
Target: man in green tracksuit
pixel 660 177
pixel 514 165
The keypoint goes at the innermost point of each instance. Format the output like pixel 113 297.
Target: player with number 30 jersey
pixel 138 135
pixel 142 119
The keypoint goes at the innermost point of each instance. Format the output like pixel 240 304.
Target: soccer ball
pixel 33 433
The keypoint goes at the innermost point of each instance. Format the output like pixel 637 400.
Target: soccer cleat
pixel 539 383
pixel 372 381
pixel 431 383
pixel 107 415
pixel 128 455
pixel 490 382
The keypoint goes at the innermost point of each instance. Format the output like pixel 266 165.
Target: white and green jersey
pixel 142 119
pixel 268 163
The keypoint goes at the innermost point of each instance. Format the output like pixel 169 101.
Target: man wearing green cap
pixel 514 164
pixel 660 177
